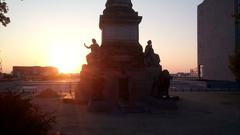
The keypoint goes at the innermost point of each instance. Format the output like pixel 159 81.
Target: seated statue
pixel 92 58
pixel 161 85
pixel 150 58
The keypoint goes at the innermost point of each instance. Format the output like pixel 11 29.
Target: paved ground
pixel 199 113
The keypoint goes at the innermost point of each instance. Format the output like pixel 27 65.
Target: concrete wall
pixel 216 38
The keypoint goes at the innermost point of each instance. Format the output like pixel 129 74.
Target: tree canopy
pixel 3 11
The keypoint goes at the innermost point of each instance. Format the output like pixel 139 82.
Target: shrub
pixel 18 116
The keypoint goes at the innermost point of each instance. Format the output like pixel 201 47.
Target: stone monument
pixel 121 63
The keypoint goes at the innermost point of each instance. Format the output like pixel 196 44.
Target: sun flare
pixel 65 57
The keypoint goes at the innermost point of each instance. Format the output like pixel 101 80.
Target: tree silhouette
pixel 234 60
pixel 235 64
pixel 3 10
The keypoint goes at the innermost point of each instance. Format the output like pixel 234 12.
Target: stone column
pixel 120 34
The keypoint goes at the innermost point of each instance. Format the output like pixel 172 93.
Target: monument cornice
pixel 119 20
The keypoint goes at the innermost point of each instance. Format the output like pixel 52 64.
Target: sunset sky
pixel 52 32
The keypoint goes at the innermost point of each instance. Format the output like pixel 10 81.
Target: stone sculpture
pixel 92 58
pixel 150 58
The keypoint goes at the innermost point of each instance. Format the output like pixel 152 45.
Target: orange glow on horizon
pixel 67 58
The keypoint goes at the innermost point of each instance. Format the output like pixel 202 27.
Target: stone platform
pixel 140 83
pixel 105 88
pixel 198 113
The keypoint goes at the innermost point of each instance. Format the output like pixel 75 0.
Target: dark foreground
pixel 199 113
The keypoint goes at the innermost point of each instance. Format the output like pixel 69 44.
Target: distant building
pixel 33 72
pixel 218 35
pixel 181 75
pixel 194 72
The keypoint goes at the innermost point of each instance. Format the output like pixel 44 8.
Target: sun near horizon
pixel 68 58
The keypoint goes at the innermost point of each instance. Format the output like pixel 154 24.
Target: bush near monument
pixel 18 116
pixel 235 64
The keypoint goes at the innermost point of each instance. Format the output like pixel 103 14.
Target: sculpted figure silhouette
pixel 150 58
pixel 92 57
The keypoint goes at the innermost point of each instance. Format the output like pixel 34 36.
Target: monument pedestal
pixel 136 84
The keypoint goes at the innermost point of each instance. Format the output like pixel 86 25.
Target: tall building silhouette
pixel 218 36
